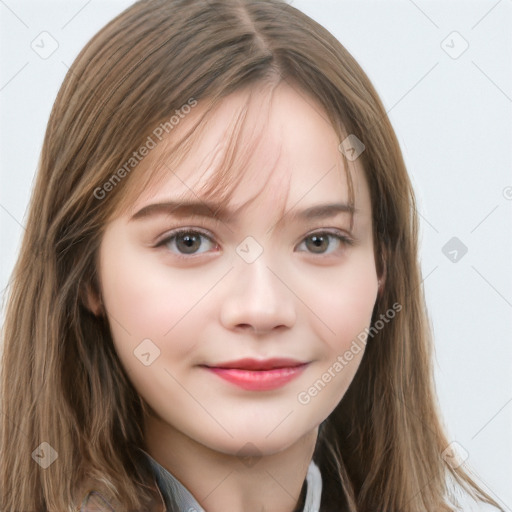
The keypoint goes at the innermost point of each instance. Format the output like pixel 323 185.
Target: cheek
pixel 345 312
pixel 145 298
pixel 149 308
pixel 343 303
pixel 153 308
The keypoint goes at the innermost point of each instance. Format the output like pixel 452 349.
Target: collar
pixel 169 486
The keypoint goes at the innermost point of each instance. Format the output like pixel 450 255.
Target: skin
pixel 213 306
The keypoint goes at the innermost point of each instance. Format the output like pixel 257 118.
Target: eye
pixel 187 242
pixel 319 243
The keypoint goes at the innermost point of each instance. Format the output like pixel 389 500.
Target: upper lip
pixel 258 364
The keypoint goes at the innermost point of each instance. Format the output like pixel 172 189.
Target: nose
pixel 257 299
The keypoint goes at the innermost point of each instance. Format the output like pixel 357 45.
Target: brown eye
pixel 317 243
pixel 187 242
pixel 320 243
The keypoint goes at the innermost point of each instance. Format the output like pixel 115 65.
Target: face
pixel 255 284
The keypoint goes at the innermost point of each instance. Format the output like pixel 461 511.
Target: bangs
pixel 223 168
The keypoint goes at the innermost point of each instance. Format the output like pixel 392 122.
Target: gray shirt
pixel 171 486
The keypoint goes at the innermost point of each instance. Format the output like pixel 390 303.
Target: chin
pixel 251 443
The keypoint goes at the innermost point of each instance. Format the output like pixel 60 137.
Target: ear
pixel 91 299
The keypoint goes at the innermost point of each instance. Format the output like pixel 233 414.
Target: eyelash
pixel 343 239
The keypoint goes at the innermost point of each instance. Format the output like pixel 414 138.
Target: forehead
pixel 275 142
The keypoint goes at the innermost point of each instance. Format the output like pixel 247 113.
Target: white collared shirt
pixel 169 485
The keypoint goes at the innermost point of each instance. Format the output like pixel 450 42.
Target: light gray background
pixel 453 118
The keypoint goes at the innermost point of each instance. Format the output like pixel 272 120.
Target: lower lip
pixel 261 380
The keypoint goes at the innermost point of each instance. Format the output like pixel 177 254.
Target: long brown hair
pixel 62 383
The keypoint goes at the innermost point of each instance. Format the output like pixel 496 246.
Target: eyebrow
pixel 221 212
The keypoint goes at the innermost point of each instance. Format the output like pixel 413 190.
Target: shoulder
pixel 94 496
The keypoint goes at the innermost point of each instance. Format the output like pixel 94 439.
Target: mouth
pixel 258 364
pixel 258 375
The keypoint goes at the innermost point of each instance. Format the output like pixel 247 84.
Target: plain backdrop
pixel 444 72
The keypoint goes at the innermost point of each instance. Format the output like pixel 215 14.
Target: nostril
pixel 245 326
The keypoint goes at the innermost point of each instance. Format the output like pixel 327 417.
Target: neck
pixel 246 480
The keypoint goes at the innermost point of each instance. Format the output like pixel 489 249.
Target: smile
pixel 254 375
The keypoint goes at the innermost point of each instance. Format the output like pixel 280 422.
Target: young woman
pixel 217 303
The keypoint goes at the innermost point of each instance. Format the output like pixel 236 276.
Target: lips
pixel 258 364
pixel 258 375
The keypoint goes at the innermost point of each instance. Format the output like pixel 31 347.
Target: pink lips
pixel 259 375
